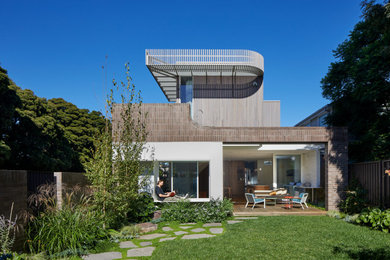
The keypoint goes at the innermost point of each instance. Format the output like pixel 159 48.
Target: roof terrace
pixel 167 65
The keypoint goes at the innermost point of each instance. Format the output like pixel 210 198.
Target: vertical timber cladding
pixel 231 101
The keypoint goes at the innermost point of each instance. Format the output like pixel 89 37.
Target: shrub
pixel 7 234
pixel 70 230
pixel 141 209
pixel 354 201
pixel 375 219
pixel 184 211
pixel 126 232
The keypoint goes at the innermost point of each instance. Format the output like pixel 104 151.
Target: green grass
pixel 287 237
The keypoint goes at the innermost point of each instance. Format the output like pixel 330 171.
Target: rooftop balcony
pixel 166 65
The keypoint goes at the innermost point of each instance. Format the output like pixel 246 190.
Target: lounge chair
pixel 250 198
pixel 302 199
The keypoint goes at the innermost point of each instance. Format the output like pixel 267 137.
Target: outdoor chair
pixel 250 198
pixel 302 199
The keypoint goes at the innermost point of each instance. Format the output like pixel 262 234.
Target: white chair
pixel 302 199
pixel 250 198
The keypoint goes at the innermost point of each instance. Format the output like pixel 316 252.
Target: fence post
pixel 58 176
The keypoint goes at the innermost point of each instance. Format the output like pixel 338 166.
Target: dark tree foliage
pixel 40 134
pixel 358 84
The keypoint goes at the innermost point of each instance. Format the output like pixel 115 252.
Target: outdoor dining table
pixel 289 205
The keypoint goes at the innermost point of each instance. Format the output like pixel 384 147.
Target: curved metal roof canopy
pixel 167 65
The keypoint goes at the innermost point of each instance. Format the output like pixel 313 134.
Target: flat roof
pixel 167 65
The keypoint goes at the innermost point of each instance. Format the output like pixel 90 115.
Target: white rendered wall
pixel 191 151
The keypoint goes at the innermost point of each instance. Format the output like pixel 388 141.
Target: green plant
pixel 7 233
pixel 74 230
pixel 354 201
pixel 375 219
pixel 335 214
pixel 126 232
pixel 115 168
pixel 141 208
pixel 185 211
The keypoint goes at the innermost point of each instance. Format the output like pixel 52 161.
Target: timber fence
pixel 374 179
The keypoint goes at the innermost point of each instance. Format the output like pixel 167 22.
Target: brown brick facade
pixel 172 123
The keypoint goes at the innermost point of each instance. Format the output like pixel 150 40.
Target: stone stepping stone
pixel 144 251
pixel 167 229
pixel 185 227
pixel 197 236
pixel 166 239
pixel 233 221
pixel 212 225
pixel 246 218
pixel 186 224
pixel 178 233
pixel 216 230
pixel 104 256
pixel 145 243
pixel 197 230
pixel 152 236
pixel 127 244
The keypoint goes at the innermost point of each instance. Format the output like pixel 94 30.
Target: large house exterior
pixel 219 138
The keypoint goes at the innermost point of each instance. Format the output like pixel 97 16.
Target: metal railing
pixel 203 57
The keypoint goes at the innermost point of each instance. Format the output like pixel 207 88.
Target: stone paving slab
pixel 127 244
pixel 145 243
pixel 178 233
pixel 197 236
pixel 167 229
pixel 197 230
pixel 212 225
pixel 144 251
pixel 216 230
pixel 186 227
pixel 146 227
pixel 186 224
pixel 166 239
pixel 152 236
pixel 104 256
pixel 245 218
pixel 233 221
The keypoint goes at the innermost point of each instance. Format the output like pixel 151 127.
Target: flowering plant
pixel 387 172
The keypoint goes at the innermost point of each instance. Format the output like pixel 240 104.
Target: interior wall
pixel 310 168
pixel 265 176
pixel 234 178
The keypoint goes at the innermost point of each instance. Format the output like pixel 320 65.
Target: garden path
pixel 146 244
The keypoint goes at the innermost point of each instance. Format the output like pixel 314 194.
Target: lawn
pixel 288 237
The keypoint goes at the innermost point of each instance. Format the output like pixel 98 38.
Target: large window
pixel 186 90
pixel 288 169
pixel 186 178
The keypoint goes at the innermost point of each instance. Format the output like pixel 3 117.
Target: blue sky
pixel 57 48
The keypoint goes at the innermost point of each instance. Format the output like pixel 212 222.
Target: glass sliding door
pixel 288 169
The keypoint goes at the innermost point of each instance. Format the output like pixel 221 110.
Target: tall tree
pixel 358 84
pixel 40 134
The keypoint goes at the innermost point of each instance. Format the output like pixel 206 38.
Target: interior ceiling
pixel 252 153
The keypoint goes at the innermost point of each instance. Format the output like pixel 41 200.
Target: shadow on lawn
pixel 363 253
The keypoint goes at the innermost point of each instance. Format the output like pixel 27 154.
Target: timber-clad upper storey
pixel 167 65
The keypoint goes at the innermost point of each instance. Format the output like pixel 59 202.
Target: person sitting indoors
pixel 161 195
